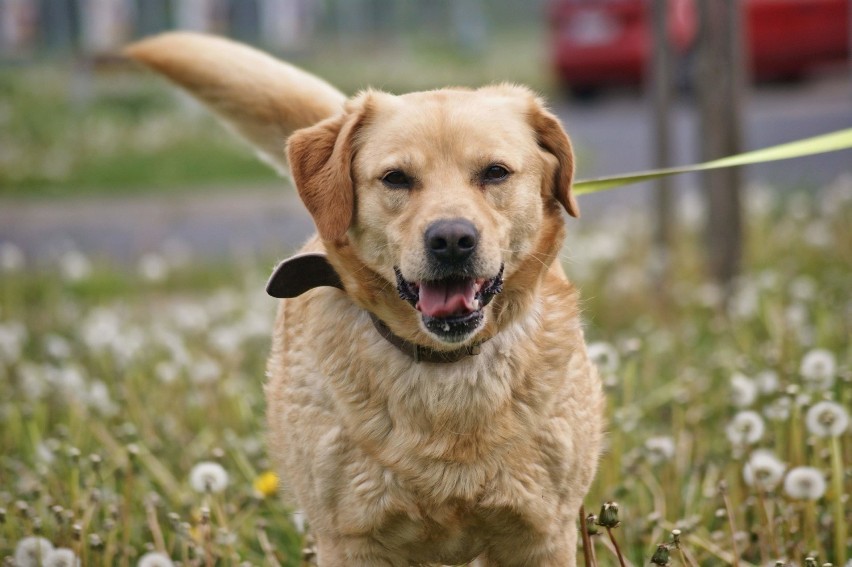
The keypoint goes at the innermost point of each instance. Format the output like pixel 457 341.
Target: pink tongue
pixel 446 297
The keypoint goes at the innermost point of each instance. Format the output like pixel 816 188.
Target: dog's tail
pixel 263 99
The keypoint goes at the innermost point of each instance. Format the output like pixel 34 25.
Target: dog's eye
pixel 494 173
pixel 396 180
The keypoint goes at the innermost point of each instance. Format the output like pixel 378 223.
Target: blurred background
pixel 136 234
pixel 97 154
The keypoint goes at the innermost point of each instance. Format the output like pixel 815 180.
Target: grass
pixel 65 135
pixel 117 384
pixel 70 130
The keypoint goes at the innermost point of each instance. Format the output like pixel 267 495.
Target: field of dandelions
pixel 133 418
pixel 131 409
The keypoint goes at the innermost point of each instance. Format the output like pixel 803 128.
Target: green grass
pixel 115 385
pixel 64 135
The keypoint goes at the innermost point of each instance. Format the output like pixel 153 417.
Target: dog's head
pixel 428 201
pixel 429 204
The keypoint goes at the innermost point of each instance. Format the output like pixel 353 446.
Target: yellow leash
pixel 833 142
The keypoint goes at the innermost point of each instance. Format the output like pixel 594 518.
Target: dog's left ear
pixel 321 164
pixel 553 140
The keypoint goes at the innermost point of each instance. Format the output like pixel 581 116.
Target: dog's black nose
pixel 451 241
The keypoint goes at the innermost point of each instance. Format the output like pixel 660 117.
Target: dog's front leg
pixel 355 551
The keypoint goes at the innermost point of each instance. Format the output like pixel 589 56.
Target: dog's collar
pixel 303 272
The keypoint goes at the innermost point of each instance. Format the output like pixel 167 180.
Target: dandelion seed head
pixel 298 520
pixel 778 409
pixel 167 371
pixel 74 266
pixel 155 559
pixel 818 368
pixel 190 316
pixel 767 382
pixel 804 483
pixel 208 476
pixel 32 551
pixel 153 267
pixel 827 419
pixel 12 337
pixel 61 557
pixel 746 428
pixel 743 390
pixel 57 346
pixel 803 288
pixel 605 356
pixel 659 449
pixel 98 398
pixel 11 258
pixel 205 371
pixel 763 470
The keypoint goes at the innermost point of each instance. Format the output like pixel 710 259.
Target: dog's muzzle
pixel 451 307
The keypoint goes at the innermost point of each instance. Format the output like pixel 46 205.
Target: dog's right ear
pixel 321 165
pixel 263 99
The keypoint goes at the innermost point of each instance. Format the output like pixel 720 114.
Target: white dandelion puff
pixel 32 551
pixel 743 390
pixel 12 337
pixel 208 476
pixel 746 428
pixel 604 356
pixel 827 419
pixel 74 266
pixel 153 267
pixel 805 483
pixel 57 347
pixel 779 410
pixel 155 559
pixel 298 520
pixel 205 371
pixel 818 368
pixel 659 449
pixel 763 470
pixel 767 382
pixel 98 398
pixel 803 288
pixel 167 371
pixel 61 557
pixel 11 258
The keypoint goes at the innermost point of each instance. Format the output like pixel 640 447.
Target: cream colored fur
pixel 397 462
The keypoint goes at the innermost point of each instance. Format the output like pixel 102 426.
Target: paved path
pixel 611 136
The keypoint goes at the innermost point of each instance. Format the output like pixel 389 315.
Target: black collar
pixel 302 272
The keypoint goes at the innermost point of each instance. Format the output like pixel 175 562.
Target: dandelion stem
pixel 584 534
pixel 840 533
pixel 730 513
pixel 810 527
pixel 797 442
pixel 770 523
pixel 267 548
pixel 686 557
pixel 615 546
pixel 154 526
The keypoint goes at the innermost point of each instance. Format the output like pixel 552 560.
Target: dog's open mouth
pixel 451 307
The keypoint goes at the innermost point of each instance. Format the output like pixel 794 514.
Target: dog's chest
pixel 453 531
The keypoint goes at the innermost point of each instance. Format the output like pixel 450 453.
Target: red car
pixel 605 42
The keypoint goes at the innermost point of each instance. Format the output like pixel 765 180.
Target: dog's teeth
pixel 475 305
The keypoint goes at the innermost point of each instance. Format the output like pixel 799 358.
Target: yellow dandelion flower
pixel 266 484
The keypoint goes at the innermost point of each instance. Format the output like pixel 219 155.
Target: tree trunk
pixel 720 77
pixel 660 86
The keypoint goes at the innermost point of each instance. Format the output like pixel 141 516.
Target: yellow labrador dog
pixel 430 399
